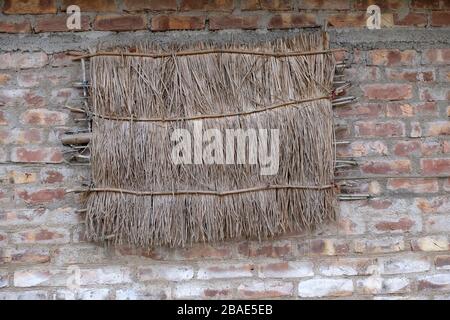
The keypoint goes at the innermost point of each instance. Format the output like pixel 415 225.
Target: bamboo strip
pixel 199 192
pixel 209 51
pixel 209 116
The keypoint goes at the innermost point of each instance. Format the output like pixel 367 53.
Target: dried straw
pixel 129 154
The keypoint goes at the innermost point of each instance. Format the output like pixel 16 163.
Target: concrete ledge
pixel 401 38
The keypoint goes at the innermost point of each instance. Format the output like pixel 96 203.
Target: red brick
pixel 165 272
pixel 406 148
pixel 233 22
pixel 15 26
pixel 436 56
pixel 202 252
pixel 64 96
pixel 425 4
pixel 266 5
pixel 292 269
pixel 437 224
pixel 438 128
pixel 3 155
pixel 386 167
pixel 207 5
pixel 58 24
pixel 34 99
pixel 347 267
pixel 400 110
pixel 120 22
pixel 434 282
pixel 325 287
pixel 344 20
pixel 202 290
pixel 25 256
pixel 91 5
pixel 258 289
pixel 324 4
pixel 29 6
pixel 42 235
pixel 291 20
pixel 435 205
pixel 435 166
pixel 329 247
pixel 434 93
pixel 410 75
pixel 362 73
pixel 413 185
pixel 411 19
pixel 442 262
pixel 3 121
pixel 440 18
pixel 362 149
pixel 379 245
pixel 3 238
pixel 177 22
pixel 23 60
pixel 427 109
pixel 22 177
pixel 62 59
pixel 52 176
pixel 40 196
pixel 225 271
pixel 36 155
pixel 342 132
pixel 392 57
pixel 150 5
pixel 430 244
pixel 402 224
pixel 383 4
pixel 431 147
pixel 54 76
pixel 366 110
pixel 4 78
pixel 387 91
pixel 43 117
pixel 446 147
pixel 271 250
pixel 21 136
pixel 379 129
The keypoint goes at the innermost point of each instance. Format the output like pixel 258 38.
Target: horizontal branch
pixel 77 138
pixel 209 116
pixel 207 51
pixel 200 192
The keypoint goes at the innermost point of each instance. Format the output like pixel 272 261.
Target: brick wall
pixel 395 245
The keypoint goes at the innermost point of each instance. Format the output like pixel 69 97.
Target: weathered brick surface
pixel 88 5
pixel 291 20
pixel 233 22
pixel 29 6
pixel 154 5
pixel 58 24
pixel 393 246
pixel 15 26
pixel 120 22
pixel 164 22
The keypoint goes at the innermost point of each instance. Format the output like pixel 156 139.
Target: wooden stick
pixel 209 116
pixel 209 51
pixel 199 192
pixel 78 138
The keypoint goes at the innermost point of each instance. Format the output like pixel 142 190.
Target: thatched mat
pixel 131 146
